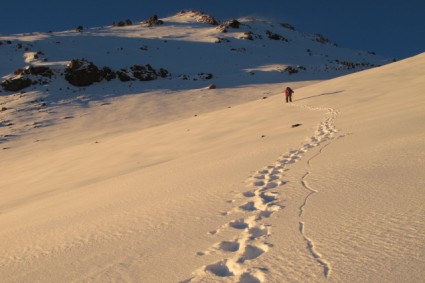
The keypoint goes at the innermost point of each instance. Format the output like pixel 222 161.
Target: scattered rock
pixel 288 26
pixel 127 22
pixel 212 86
pixel 320 38
pixel 296 125
pixel 291 70
pixel 205 76
pixel 247 36
pixel 241 49
pixel 184 77
pixel 163 73
pixel 222 40
pixel 275 36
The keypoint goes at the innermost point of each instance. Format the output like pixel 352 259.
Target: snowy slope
pixel 168 181
pixel 182 45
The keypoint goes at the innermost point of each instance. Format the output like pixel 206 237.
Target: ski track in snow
pixel 262 201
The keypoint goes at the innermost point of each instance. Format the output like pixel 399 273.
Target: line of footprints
pixel 262 201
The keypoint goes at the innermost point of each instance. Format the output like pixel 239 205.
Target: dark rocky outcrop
pixel 288 26
pixel 321 39
pixel 141 73
pixel 249 35
pixel 293 70
pixel 275 36
pixel 201 17
pixel 127 22
pixel 228 24
pixel 205 76
pixel 108 74
pixel 27 76
pixel 221 28
pixel 232 24
pixel 222 40
pixel 123 75
pixel 16 84
pixel 144 73
pixel 43 71
pixel 153 21
pixel 81 72
pixel 163 73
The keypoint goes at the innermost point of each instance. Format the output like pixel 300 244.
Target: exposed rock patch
pixel 27 76
pixel 16 84
pixel 200 17
pixel 153 21
pixel 81 72
pixel 275 36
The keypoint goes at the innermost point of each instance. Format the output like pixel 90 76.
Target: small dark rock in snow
pixel 222 40
pixel 288 26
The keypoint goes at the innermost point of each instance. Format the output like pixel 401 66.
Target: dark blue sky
pixel 395 29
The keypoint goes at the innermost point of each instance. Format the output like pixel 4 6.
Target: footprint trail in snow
pixel 262 200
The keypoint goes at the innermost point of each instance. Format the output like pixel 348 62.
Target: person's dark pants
pixel 288 98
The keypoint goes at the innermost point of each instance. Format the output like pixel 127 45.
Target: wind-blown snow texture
pixel 171 181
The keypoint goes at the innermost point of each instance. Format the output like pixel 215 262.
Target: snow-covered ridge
pixel 187 44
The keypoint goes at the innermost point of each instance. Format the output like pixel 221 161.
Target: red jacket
pixel 288 91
